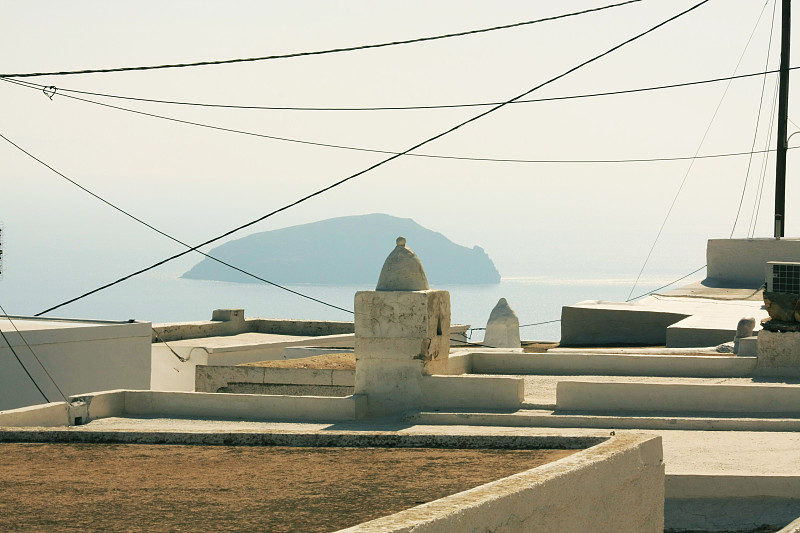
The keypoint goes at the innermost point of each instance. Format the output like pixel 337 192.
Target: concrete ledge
pixel 612 365
pixel 186 404
pixel 47 415
pixel 214 378
pixel 462 392
pixel 243 406
pixel 459 362
pixel 595 323
pixel 687 486
pixel 98 405
pixel 612 487
pixel 550 419
pixel 701 331
pixel 743 261
pixel 174 331
pixel 593 397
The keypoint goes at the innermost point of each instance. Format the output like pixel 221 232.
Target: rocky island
pixel 343 251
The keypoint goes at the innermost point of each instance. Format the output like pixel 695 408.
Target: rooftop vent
pixel 783 277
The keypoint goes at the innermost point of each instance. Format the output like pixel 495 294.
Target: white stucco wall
pixel 47 415
pixel 615 487
pixel 169 372
pixel 81 356
pixel 567 363
pixel 676 397
pixel 743 261
pixel 476 392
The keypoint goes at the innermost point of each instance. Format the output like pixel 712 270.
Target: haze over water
pixel 165 298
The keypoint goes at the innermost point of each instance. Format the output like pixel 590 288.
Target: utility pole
pixel 783 113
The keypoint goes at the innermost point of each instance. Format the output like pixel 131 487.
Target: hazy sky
pixel 574 220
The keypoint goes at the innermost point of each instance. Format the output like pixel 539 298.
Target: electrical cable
pixel 317 52
pixel 699 147
pixel 139 220
pixel 13 351
pixel 667 285
pixel 381 162
pixel 524 325
pixel 758 119
pixel 181 359
pixel 764 163
pixel 7 317
pixel 387 152
pixel 53 90
pixel 628 300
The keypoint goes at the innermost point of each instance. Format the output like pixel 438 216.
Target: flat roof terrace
pixel 235 488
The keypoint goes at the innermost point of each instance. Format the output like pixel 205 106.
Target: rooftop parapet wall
pixel 175 331
pixel 742 262
pixel 615 486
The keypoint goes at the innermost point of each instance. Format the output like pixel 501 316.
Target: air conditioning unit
pixel 783 277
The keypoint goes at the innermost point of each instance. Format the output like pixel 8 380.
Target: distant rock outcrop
pixel 344 251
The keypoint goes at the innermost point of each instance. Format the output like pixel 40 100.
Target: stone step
pixel 654 421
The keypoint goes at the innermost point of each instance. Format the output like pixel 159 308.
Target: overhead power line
pixel 667 285
pixel 16 356
pixel 53 90
pixel 383 161
pixel 699 147
pixel 377 151
pixel 44 369
pixel 317 52
pixel 160 232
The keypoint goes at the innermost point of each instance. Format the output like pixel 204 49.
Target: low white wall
pixel 778 353
pixel 592 323
pixel 98 405
pixel 169 372
pixel 243 406
pixel 691 486
pixel 565 363
pixel 211 328
pixel 463 392
pixel 80 357
pixel 459 362
pixel 612 487
pixel 676 397
pixel 743 261
pixel 47 415
pixel 213 378
pixel 699 331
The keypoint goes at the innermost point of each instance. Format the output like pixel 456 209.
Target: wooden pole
pixel 783 113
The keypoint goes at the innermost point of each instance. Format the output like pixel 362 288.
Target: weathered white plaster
pixel 225 323
pixel 399 336
pixel 242 406
pixel 472 392
pixel 565 363
pixel 611 487
pixel 742 261
pixel 402 271
pixel 778 353
pixel 673 321
pixel 46 415
pixel 171 373
pixel 611 397
pixel 80 356
pixel 748 346
pixel 213 378
pixel 502 329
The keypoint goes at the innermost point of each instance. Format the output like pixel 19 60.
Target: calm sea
pixel 162 298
